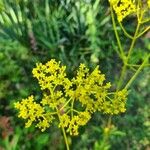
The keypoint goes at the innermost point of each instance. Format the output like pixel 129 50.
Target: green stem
pixel 140 34
pixel 125 32
pixel 137 72
pixel 121 53
pixel 145 21
pixel 65 104
pixel 133 42
pixel 72 104
pixel 133 65
pixel 124 68
pixel 76 111
pixel 65 138
pixel 63 131
pixel 123 71
pixel 58 114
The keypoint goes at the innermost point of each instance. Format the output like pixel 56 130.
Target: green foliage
pixel 12 57
pixel 135 122
pixel 72 31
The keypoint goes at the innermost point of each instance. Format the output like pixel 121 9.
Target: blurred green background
pixel 72 31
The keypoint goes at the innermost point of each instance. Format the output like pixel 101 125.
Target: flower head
pixel 33 112
pixel 123 8
pixel 71 101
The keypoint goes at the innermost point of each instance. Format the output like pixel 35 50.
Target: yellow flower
pixel 123 8
pixel 117 103
pixel 64 120
pixel 49 74
pixel 32 112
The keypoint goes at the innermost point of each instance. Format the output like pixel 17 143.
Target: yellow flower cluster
pixel 49 74
pixel 33 112
pixel 72 101
pixel 73 123
pixel 123 8
pixel 116 104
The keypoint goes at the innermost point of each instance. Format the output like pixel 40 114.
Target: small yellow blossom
pixel 84 117
pixel 117 104
pixel 79 120
pixel 73 126
pixel 123 8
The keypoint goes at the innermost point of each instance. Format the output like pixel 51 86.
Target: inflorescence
pixel 123 8
pixel 69 101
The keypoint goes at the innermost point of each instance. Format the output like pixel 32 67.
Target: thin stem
pixel 138 10
pixel 140 34
pixel 63 130
pixel 110 93
pixel 125 32
pixel 109 98
pixel 76 111
pixel 53 113
pixel 137 72
pixel 121 53
pixel 65 138
pixel 121 76
pixel 133 42
pixel 128 57
pixel 65 104
pixel 145 21
pixel 72 104
pixel 132 68
pixel 133 65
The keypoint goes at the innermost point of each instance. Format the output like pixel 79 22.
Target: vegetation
pixel 79 48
